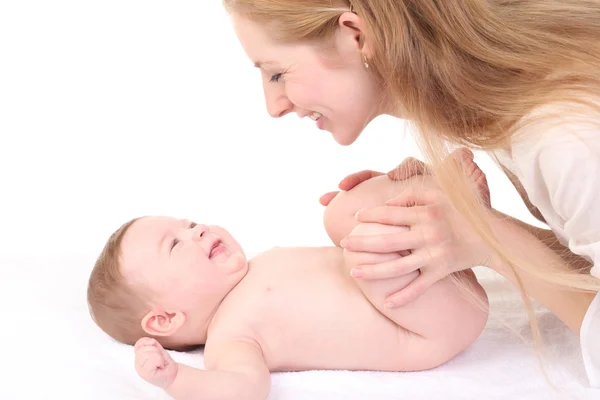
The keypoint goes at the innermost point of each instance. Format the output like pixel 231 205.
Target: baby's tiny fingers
pixel 152 361
pixel 147 352
pixel 145 341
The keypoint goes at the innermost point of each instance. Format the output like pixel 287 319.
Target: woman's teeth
pixel 314 116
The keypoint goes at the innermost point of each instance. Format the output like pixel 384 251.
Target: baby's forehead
pixel 145 231
pixel 141 243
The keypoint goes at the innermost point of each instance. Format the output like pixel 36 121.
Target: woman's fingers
pixel 391 215
pixel 389 269
pixel 414 289
pixel 327 197
pixel 358 177
pixel 384 243
pixel 415 196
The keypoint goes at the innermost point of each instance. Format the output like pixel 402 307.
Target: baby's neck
pixel 210 321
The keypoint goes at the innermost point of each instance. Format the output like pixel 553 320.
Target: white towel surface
pixel 52 350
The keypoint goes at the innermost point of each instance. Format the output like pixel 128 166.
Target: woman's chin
pixel 345 138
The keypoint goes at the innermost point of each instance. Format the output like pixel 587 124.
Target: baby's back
pixel 306 312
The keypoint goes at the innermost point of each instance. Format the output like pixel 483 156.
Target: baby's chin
pixel 233 264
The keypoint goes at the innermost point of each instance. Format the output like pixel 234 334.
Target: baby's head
pixel 164 278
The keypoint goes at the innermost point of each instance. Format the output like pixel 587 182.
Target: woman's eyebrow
pixel 260 64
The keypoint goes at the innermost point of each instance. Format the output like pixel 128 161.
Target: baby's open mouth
pixel 217 248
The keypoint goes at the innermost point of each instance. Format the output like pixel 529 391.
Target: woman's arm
pixel 549 239
pixel 524 241
pixel 558 163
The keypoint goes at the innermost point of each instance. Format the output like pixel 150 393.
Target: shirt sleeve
pixel 562 167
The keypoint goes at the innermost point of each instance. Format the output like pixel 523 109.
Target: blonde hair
pixel 465 73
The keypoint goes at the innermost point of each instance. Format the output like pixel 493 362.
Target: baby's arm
pixel 236 370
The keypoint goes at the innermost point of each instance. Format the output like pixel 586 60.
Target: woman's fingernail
pixel 389 304
pixel 356 273
pixel 343 242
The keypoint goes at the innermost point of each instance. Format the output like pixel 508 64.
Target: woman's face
pixel 329 85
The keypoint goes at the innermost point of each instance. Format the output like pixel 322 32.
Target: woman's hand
pixel 408 168
pixel 440 240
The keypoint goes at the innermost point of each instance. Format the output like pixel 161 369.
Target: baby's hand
pixel 154 364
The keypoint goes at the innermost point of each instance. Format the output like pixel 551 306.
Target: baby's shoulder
pixel 229 322
pixel 225 345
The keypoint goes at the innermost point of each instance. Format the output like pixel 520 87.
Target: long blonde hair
pixel 464 73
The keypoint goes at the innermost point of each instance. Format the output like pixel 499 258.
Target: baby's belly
pixel 333 344
pixel 319 319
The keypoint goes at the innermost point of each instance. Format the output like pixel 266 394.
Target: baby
pixel 167 283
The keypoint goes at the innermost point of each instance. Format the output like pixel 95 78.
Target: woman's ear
pixel 352 26
pixel 162 323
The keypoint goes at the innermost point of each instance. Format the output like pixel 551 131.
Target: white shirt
pixel 557 163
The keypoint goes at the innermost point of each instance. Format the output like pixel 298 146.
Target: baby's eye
pixel 175 242
pixel 275 78
pixel 193 225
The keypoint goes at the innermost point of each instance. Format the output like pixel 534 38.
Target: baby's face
pixel 183 265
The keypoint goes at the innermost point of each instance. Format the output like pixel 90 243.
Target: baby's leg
pixel 439 324
pixel 377 290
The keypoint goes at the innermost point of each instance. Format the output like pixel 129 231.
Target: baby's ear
pixel 162 323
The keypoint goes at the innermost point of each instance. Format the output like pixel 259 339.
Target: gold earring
pixel 364 59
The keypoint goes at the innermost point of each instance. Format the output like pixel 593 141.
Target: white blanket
pixel 52 350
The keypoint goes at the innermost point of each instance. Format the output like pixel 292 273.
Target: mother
pixel 519 79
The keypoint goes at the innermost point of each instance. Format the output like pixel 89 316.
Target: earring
pixel 364 59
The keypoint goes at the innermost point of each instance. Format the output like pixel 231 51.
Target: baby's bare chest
pixel 306 312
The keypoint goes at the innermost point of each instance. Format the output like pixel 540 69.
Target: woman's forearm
pixel 533 245
pixel 547 237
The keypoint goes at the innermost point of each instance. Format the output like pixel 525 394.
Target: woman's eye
pixel 275 78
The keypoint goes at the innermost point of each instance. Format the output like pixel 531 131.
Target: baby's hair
pixel 118 306
pixel 115 305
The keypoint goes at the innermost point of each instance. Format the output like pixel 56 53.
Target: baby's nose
pixel 200 230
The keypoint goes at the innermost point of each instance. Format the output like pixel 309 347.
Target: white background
pixel 111 110
pixel 115 109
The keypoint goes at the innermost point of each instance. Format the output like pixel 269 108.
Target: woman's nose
pixel 280 108
pixel 278 103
